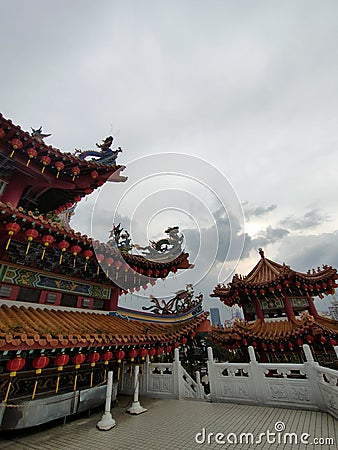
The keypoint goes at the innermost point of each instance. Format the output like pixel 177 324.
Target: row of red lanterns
pixel 45 160
pixel 290 345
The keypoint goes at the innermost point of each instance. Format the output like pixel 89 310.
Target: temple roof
pixel 269 277
pixel 276 331
pixel 44 226
pixel 29 328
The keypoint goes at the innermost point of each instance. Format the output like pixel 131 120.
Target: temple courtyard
pixel 184 424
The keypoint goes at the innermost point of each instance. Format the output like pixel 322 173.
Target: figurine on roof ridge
pixel 105 156
pixel 170 246
pixel 38 135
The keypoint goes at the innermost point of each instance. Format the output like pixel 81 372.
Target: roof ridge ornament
pixel 261 252
pixel 38 135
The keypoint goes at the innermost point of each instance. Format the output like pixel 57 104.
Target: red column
pixel 259 312
pixel 288 308
pixel 112 303
pixel 312 309
pixel 14 190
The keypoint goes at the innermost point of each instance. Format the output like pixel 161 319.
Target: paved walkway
pixel 174 425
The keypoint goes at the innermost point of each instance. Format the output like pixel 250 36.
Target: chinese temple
pixel 61 328
pixel 279 312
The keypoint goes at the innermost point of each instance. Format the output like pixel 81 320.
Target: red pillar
pixel 112 303
pixel 288 308
pixel 259 312
pixel 312 309
pixel 14 190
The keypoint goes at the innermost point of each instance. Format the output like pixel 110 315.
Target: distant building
pixel 333 310
pixel 215 317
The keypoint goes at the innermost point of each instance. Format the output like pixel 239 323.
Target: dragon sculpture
pixel 105 156
pixel 38 135
pixel 183 301
pixel 120 238
pixel 167 247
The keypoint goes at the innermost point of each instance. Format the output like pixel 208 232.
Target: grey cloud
pixel 310 219
pixel 269 236
pixel 258 211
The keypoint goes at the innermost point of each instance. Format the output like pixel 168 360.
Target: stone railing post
pixel 177 374
pixel 312 375
pixel 257 378
pixel 212 376
pixel 200 388
pixel 336 350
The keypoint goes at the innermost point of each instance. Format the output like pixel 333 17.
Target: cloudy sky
pixel 247 87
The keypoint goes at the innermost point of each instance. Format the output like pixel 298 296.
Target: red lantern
pixel 109 262
pixel 12 228
pixel 132 354
pixel 16 144
pixel 333 342
pixel 75 249
pixel 159 351
pixel 2 133
pixel 125 269
pixel 192 334
pixel 75 171
pixel 322 339
pixel 152 352
pixel 30 235
pixel 156 273
pixel 107 356
pixel 244 342
pixel 32 153
pixel 99 258
pixel 40 363
pixel 281 347
pixel 120 354
pixel 77 198
pixel 59 166
pixel 290 345
pixel 77 359
pixel 143 353
pixel 68 205
pixel 93 358
pixel 176 345
pixel 149 272
pixel 87 254
pixel 310 339
pixel 254 292
pixel 94 174
pixel 164 273
pixel 174 269
pixel 299 342
pixel 88 191
pixel 45 160
pixel 184 340
pixel 60 361
pixel 47 240
pixel 117 265
pixel 63 245
pixel 264 346
pixel 168 349
pixel 13 366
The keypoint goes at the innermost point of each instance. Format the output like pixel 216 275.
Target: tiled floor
pixel 174 424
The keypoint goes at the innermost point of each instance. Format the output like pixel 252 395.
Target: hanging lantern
pixel 88 191
pixel 12 228
pixel 125 268
pixel 184 340
pixel 192 334
pixel 156 273
pixel 159 351
pixel 322 339
pixel 290 345
pixel 299 342
pixel 17 145
pixel 13 366
pixel 30 235
pixel 32 153
pixel 106 357
pixel 152 352
pixel 176 344
pixel 77 359
pixel 75 249
pixel 164 273
pixel 168 349
pixel 75 171
pixel 333 342
pixel 132 354
pixel 264 346
pixel 59 166
pixel 143 353
pixel 149 272
pixel 2 133
pixel 47 240
pixel 45 161
pixel 254 292
pixel 99 258
pixel 63 245
pixel 94 174
pixel 281 347
pixel 244 342
pixel 38 364
pixel 93 358
pixel 68 205
pixel 109 262
pixel 310 339
pixel 117 266
pixel 272 346
pixel 87 254
pixel 77 198
pixel 174 269
pixel 119 356
pixel 60 361
pixel 145 287
pixel 137 289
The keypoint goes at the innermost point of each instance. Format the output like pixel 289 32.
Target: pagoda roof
pixel 91 174
pixel 45 226
pixel 27 328
pixel 275 331
pixel 269 277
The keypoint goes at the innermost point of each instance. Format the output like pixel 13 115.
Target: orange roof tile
pixel 28 328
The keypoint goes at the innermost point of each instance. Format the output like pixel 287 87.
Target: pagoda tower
pixel 61 328
pixel 279 312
